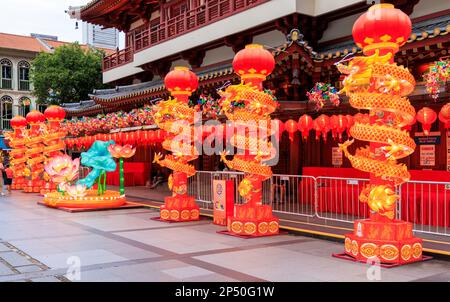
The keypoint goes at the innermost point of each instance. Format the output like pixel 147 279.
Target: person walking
pixel 8 180
pixel 3 175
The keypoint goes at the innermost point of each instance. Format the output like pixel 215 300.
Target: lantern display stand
pixel 34 142
pixel 375 83
pixel 89 193
pixel 176 117
pixel 253 126
pixel 18 160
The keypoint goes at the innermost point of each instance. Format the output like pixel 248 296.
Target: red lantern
pixel 350 123
pixel 444 115
pixel 279 128
pixel 181 82
pixel 382 27
pixel 338 124
pixel 54 113
pixel 18 122
pixel 291 127
pixel 323 124
pixel 305 123
pixel 253 64
pixel 159 136
pixel 426 116
pixel 35 117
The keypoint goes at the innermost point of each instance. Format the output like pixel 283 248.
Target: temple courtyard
pixel 43 244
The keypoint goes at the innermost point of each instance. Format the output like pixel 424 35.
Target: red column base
pixel 391 242
pixel 251 220
pixel 180 209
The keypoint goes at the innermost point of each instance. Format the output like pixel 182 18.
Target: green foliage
pixel 67 75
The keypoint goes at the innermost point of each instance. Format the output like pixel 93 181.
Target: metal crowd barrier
pixel 425 204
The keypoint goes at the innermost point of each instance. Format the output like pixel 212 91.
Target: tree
pixel 67 75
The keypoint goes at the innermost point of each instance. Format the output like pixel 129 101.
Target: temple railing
pixel 146 36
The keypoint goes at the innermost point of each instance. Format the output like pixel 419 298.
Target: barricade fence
pixel 425 204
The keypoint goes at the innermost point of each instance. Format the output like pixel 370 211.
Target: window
pixel 6 103
pixel 6 75
pixel 41 107
pixel 24 75
pixel 24 105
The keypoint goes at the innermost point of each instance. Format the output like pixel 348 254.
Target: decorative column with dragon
pixel 252 124
pixel 374 82
pixel 35 149
pixel 176 117
pixel 18 160
pixel 53 140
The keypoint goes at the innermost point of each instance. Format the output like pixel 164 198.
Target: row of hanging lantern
pixel 134 138
pixel 338 124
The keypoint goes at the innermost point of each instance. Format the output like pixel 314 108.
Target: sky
pixel 23 17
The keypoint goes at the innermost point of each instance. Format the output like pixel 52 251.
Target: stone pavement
pixel 41 244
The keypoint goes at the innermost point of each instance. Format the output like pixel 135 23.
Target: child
pixel 9 176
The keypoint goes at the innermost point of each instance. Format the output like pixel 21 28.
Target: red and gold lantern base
pixel 180 208
pixel 391 242
pixel 48 187
pixel 253 221
pixel 18 183
pixel 33 186
pixel 110 199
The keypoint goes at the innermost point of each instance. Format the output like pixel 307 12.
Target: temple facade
pixel 307 39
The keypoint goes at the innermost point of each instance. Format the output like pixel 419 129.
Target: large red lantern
pixel 181 82
pixel 253 64
pixel 323 124
pixel 18 122
pixel 291 127
pixel 305 123
pixel 338 124
pixel 54 113
pixel 35 117
pixel 383 28
pixel 444 115
pixel 426 116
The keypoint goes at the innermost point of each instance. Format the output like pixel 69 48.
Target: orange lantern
pixel 305 123
pixel 291 127
pixel 426 116
pixel 444 115
pixel 383 28
pixel 181 82
pixel 323 124
pixel 253 64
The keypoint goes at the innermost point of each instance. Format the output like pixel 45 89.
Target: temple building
pixel 16 54
pixel 307 39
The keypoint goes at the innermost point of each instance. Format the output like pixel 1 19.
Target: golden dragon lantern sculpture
pixel 176 118
pixel 252 124
pixel 18 160
pixel 376 83
pixel 35 148
pixel 53 140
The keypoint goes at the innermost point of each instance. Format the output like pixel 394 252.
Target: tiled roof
pixel 55 44
pixel 427 29
pixel 26 43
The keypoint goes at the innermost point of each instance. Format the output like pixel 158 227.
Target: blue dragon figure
pixel 100 160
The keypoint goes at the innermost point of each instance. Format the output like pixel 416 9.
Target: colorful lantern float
pixel 35 148
pixel 73 193
pixel 53 139
pixel 426 117
pixel 18 159
pixel 374 82
pixel 176 117
pixel 253 123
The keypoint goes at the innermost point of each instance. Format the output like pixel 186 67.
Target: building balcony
pixel 147 36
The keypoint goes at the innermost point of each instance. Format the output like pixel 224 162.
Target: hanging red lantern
pixel 427 117
pixel 338 124
pixel 382 27
pixel 151 136
pixel 317 129
pixel 305 124
pixel 279 128
pixel 253 64
pixel 291 127
pixel 159 136
pixel 350 123
pixel 323 123
pixel 181 82
pixel 444 115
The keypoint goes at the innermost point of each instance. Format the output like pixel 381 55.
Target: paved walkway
pixel 42 244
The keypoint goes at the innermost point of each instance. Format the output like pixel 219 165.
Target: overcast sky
pixel 23 17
